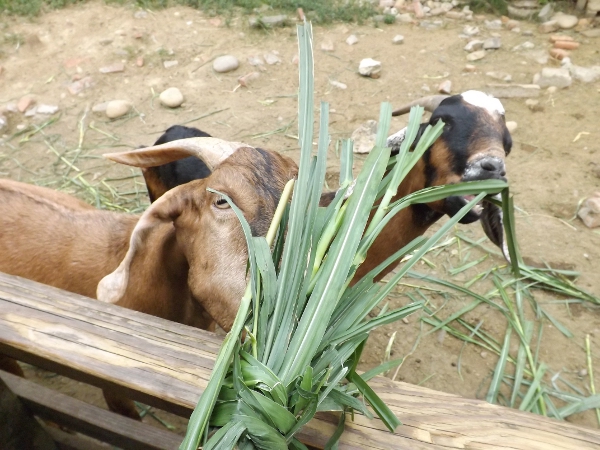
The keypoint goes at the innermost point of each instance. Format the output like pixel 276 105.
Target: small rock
pixel 492 43
pixel 470 30
pixel 117 108
pixel 493 24
pixel 469 68
pixel 327 46
pixel 502 76
pixel 475 56
pixel 539 56
pixel 3 122
pixel 513 90
pixel 591 33
pixel 405 320
pixel 589 212
pixel 171 97
pixel 140 14
pixel 352 39
pixel 558 53
pixel 552 90
pixel 511 24
pixel 113 68
pixel 524 46
pixel 268 21
pixel 534 105
pixel 364 137
pixel 425 88
pixel 585 74
pixel 566 45
pixel 24 103
pixel 582 373
pixel 272 58
pixel 483 354
pixel 139 61
pixel 550 76
pixel 398 39
pixel 474 45
pixel 548 27
pixel 31 111
pixel 47 109
pixel 560 37
pixel 369 68
pixel 337 84
pixel 566 21
pixel 225 63
pixel 80 85
pixel 456 15
pixel 418 9
pixel 169 64
pixel 255 61
pixel 445 87
pixel 100 107
pixel 404 18
pixel 511 126
pixel 246 79
pixel 546 12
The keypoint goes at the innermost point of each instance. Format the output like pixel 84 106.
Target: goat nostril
pixel 492 165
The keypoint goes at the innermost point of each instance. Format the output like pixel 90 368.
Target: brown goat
pixel 184 259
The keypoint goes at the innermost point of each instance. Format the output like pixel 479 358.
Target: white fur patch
pixel 483 100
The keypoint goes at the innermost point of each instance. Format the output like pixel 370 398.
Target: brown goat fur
pixel 188 259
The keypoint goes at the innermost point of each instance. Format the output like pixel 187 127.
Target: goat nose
pixel 493 165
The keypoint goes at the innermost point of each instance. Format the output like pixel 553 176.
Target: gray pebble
pixel 225 63
pixel 171 97
pixel 117 108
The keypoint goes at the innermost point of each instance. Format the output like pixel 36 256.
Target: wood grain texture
pixel 167 365
pixel 90 420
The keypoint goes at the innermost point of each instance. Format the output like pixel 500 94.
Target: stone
pixel 31 111
pixel 117 108
pixel 493 24
pixel 549 76
pixel 255 61
pixel 245 80
pixel 456 15
pixel 548 27
pixel 558 53
pixel 25 103
pixel 566 21
pixel 171 97
pixel 552 90
pixel 225 63
pixel 338 84
pixel 418 9
pixel 272 58
pixel 170 64
pixel 521 13
pixel 113 68
pixel 369 68
pixel 492 43
pixel 47 109
pixel 546 12
pixel 445 87
pixel 474 45
pixel 585 74
pixel 268 21
pixel 469 68
pixel 534 105
pixel 475 56
pixel 539 56
pixel 591 33
pixel 470 30
pixel 100 108
pixel 327 46
pixel 364 137
pixel 511 126
pixel 386 3
pixel 398 39
pixel 589 213
pixel 511 24
pixel 524 46
pixel 560 37
pixel 139 61
pixel 80 85
pixel 352 39
pixel 593 6
pixel 566 45
pixel 404 18
pixel 513 90
pixel 3 122
pixel 502 76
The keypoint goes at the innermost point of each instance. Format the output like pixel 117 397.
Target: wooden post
pixel 19 430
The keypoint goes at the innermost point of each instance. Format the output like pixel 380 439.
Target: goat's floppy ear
pixel 211 150
pixel 167 208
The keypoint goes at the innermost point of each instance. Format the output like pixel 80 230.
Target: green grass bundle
pixel 305 323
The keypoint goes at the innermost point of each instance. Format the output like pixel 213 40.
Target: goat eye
pixel 221 203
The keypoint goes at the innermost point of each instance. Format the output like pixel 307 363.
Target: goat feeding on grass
pixel 184 259
pixel 473 146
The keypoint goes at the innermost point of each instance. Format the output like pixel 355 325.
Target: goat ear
pixel 211 150
pixel 112 287
pixel 493 226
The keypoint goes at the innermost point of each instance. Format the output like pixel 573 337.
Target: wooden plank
pixel 88 419
pixel 168 365
pixel 18 429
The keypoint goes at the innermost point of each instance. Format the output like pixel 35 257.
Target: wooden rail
pixel 167 365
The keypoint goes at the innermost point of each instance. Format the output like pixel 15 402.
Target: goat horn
pixel 212 151
pixel 429 103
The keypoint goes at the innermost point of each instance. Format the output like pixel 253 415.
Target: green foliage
pixel 33 7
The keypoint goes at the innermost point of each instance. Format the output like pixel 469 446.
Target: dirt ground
pixel 551 168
